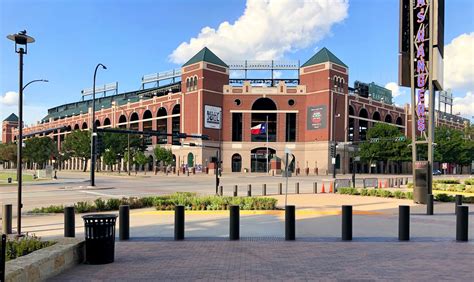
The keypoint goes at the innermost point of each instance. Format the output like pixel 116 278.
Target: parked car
pixel 437 172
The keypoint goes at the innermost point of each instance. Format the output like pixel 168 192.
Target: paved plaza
pixel 272 259
pixel 262 253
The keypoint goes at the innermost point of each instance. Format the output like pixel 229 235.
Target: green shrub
pixel 82 207
pixel 410 185
pixel 444 198
pixel 409 195
pixel 447 181
pixel 50 209
pixel 113 204
pixel 348 191
pixel 22 246
pixel 100 205
pixel 399 195
pixel 372 192
pixel 469 181
pixel 364 192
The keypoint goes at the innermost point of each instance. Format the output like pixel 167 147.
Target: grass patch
pixel 191 201
pixel 5 175
pixel 17 247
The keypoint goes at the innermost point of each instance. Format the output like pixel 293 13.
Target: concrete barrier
pixel 46 263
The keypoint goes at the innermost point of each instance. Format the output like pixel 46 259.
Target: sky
pixel 138 37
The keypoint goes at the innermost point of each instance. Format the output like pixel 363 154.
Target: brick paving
pixel 272 258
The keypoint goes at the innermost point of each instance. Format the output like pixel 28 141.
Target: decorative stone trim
pixel 46 263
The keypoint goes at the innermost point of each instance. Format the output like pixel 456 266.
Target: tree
pixel 39 150
pixel 141 159
pixel 384 146
pixel 8 153
pixel 163 155
pixel 77 144
pixel 110 158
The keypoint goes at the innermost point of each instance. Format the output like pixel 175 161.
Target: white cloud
pixel 464 105
pixel 9 99
pixel 459 62
pixel 267 30
pixel 396 90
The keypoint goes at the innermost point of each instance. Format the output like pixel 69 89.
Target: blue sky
pixel 134 38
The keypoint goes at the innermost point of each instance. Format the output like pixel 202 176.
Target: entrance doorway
pixel 236 163
pixel 190 160
pixel 259 158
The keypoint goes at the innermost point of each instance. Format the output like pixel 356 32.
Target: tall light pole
pixel 94 133
pixel 20 39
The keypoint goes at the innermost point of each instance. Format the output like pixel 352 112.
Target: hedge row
pixel 22 246
pixel 397 194
pixel 191 201
pixel 448 185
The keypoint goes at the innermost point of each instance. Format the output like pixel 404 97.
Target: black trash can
pixel 100 238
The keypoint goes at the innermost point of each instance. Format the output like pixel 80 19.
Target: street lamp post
pixel 20 39
pixel 94 131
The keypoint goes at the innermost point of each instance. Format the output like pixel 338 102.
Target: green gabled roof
pixel 324 55
pixel 206 55
pixel 11 117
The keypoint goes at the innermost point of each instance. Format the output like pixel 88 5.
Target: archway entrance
pixel 236 163
pixel 258 161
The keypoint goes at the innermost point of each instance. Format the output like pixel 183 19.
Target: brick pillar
pixel 246 125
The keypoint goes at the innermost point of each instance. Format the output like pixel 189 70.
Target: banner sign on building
pixel 212 117
pixel 316 118
pixel 421 52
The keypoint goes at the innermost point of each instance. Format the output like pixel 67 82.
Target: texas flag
pixel 259 129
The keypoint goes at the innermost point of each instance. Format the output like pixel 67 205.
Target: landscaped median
pixel 30 259
pixel 397 194
pixel 191 201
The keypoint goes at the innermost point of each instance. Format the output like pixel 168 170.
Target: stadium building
pixel 244 113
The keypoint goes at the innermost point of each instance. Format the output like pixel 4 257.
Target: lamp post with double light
pixel 21 47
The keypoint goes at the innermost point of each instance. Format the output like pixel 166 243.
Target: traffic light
pixel 99 144
pixel 333 150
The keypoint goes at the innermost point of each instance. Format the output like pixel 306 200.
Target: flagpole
pixel 266 125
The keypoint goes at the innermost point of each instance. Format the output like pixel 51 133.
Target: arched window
pixel 84 125
pixel 259 120
pixel 134 121
pixel 175 122
pixel 236 163
pixel 188 83
pixel 122 122
pixel 363 124
pixel 388 118
pixel 147 125
pixel 399 121
pixel 97 123
pixel 376 116
pixel 351 124
pixel 162 125
pixel 195 83
pixel 335 81
pixel 106 122
pixel 76 127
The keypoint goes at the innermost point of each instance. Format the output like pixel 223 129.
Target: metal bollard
pixel 404 223
pixel 249 190
pixel 69 222
pixel 290 223
pixel 7 219
pixel 346 223
pixel 280 189
pixel 430 205
pixel 3 254
pixel 462 222
pixel 221 190
pixel 235 190
pixel 178 223
pixel 264 189
pixel 458 202
pixel 234 231
pixel 297 187
pixel 124 222
pixel 315 187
